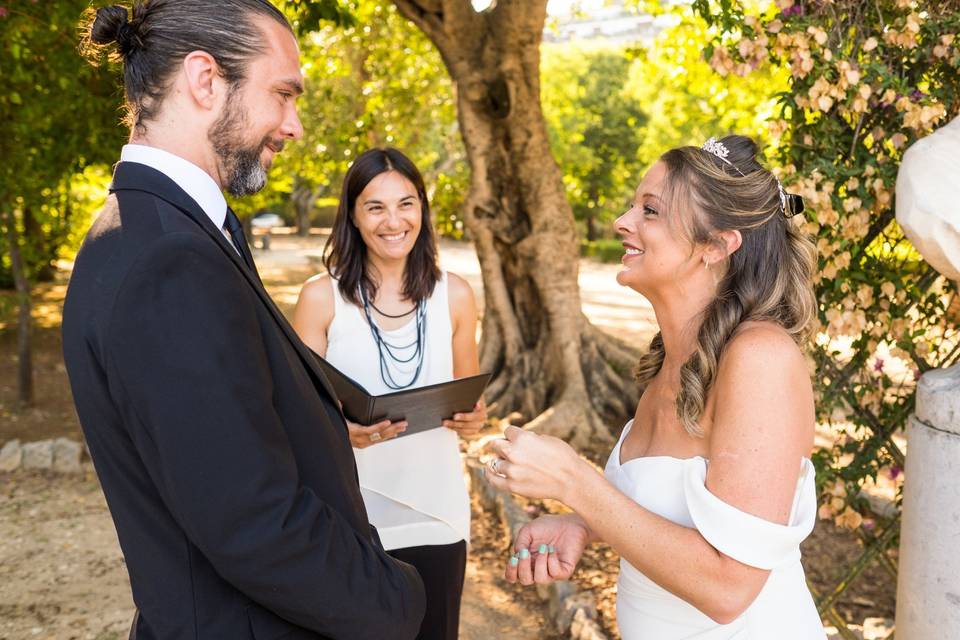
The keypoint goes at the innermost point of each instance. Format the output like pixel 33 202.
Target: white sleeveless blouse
pixel 412 486
pixel 675 489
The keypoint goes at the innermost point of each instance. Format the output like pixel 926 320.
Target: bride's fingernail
pixel 551 549
pixel 514 560
pixel 524 554
pixel 542 549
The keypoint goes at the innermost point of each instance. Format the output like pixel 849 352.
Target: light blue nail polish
pixel 514 560
pixel 542 549
pixel 552 549
pixel 524 554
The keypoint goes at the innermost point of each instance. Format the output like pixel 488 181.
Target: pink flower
pixel 878 365
pixel 894 472
pixel 3 12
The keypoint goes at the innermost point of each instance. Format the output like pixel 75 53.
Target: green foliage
pixel 308 16
pixel 59 117
pixel 688 102
pixel 604 250
pixel 611 112
pixel 595 128
pixel 867 79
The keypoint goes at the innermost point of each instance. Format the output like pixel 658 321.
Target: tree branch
pixel 428 15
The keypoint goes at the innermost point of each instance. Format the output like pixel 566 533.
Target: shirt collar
pixel 196 182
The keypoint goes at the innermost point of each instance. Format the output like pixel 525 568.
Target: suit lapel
pixel 130 176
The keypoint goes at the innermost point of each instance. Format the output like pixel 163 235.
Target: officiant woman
pixel 388 317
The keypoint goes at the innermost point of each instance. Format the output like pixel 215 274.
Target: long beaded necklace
pixel 386 350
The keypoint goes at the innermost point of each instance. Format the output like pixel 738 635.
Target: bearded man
pixel 219 444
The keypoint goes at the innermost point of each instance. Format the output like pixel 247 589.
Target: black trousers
pixel 442 568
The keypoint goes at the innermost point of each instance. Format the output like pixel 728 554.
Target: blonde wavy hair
pixel 768 278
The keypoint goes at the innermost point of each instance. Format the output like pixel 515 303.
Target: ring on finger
pixel 375 437
pixel 495 465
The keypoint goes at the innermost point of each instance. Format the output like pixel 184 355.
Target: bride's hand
pixel 547 549
pixel 535 466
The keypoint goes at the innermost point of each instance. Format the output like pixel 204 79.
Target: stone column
pixel 928 585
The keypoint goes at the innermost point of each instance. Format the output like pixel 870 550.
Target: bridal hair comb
pixel 790 203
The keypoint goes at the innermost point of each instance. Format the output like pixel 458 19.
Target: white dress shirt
pixel 196 182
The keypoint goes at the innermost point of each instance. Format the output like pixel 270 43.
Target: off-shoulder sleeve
pixel 745 537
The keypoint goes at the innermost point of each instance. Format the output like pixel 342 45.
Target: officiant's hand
pixel 469 424
pixel 547 549
pixel 362 437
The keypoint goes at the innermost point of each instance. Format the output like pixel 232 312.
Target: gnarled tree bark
pixel 550 364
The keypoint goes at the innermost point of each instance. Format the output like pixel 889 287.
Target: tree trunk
pixel 303 198
pixel 22 284
pixel 591 214
pixel 549 363
pixel 40 248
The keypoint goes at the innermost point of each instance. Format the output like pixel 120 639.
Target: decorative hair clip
pixel 790 203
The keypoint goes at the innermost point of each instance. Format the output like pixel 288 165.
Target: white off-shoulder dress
pixel 675 489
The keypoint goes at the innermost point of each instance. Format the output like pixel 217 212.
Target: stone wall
pixel 61 455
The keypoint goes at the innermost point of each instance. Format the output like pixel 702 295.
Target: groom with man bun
pixel 219 444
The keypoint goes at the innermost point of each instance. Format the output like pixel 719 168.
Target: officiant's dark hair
pixel 345 254
pixel 155 35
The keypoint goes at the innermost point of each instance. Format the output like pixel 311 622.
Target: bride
pixel 709 491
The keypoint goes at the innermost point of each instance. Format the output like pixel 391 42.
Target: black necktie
pixel 235 229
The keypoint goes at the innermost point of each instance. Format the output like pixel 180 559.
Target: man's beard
pixel 244 173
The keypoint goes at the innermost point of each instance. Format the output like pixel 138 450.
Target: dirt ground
pixel 62 576
pixel 61 572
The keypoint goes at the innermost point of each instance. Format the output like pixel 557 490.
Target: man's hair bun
pixel 112 24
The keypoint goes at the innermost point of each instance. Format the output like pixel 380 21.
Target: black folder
pixel 423 408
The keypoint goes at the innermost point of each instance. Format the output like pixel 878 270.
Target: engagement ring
pixel 495 465
pixel 375 437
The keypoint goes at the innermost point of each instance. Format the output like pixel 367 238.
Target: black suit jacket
pixel 223 457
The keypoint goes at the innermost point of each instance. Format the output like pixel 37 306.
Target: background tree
pixel 612 110
pixel 595 129
pixel 544 353
pixel 58 116
pixel 363 91
pixel 688 101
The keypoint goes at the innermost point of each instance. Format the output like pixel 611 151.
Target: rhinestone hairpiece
pixel 717 148
pixel 720 150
